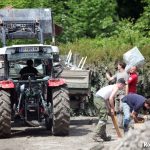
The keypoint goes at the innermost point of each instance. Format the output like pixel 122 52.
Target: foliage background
pixel 99 29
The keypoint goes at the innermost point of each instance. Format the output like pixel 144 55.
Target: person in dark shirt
pixel 29 69
pixel 132 103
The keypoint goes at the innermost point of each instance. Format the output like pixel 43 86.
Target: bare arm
pixel 112 97
pixel 126 89
pixel 109 77
pixel 134 116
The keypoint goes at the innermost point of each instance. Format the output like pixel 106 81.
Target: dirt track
pixel 80 138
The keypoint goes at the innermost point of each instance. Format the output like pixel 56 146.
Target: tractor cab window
pixel 16 66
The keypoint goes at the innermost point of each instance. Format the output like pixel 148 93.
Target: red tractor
pixel 31 99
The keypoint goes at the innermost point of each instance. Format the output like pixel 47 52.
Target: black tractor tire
pixel 61 111
pixel 5 115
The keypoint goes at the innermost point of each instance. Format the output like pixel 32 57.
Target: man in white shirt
pixel 104 102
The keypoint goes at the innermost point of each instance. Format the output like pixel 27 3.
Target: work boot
pixel 100 134
pixel 96 136
pixel 103 134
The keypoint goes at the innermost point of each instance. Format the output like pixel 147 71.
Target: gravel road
pixel 80 138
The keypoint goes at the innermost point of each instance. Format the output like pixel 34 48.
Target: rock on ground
pixel 136 139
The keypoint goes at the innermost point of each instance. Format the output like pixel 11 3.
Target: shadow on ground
pixel 77 128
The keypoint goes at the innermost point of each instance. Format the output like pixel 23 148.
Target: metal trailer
pixel 79 84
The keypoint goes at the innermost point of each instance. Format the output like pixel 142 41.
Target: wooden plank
pixel 114 119
pixel 115 123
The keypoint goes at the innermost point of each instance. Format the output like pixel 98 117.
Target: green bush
pixel 108 49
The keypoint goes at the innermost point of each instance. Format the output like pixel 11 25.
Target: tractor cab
pixel 15 58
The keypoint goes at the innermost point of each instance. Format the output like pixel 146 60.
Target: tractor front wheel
pixel 61 111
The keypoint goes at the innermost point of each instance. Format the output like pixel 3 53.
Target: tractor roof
pixel 30 48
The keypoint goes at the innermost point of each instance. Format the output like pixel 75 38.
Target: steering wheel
pixel 25 76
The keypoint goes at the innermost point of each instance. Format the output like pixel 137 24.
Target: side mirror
pixel 1 65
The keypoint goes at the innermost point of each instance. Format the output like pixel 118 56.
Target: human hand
pixel 112 112
pixel 140 119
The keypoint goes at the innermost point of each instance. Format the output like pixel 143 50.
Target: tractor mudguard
pixel 56 82
pixel 7 84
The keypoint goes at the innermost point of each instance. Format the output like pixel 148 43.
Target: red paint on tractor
pixel 56 82
pixel 6 84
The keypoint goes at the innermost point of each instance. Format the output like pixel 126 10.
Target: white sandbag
pixel 133 57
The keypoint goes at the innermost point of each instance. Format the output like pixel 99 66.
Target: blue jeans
pixel 126 119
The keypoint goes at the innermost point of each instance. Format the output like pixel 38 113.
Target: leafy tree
pixel 16 3
pixel 88 18
pixel 84 18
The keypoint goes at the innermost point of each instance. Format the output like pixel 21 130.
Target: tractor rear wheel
pixel 61 111
pixel 5 114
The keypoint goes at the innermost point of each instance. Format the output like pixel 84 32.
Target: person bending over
pixel 132 103
pixel 104 102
